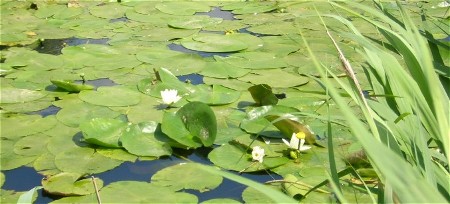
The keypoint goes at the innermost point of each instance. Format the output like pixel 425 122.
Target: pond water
pixel 25 178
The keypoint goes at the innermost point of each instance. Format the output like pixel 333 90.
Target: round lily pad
pixel 174 177
pixel 214 43
pixel 200 120
pixel 87 161
pixel 103 131
pixel 239 158
pixel 32 145
pixel 182 8
pixel 194 22
pixel 67 184
pixel 14 95
pixel 215 95
pixel 267 77
pixel 23 125
pixel 77 113
pixel 142 140
pixel 111 96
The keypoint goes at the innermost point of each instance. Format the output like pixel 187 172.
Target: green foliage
pixel 422 96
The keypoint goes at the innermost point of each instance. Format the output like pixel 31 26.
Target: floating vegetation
pixel 87 86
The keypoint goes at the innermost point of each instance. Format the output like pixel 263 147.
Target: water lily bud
pixel 293 154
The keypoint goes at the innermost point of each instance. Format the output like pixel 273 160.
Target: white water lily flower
pixel 297 142
pixel 258 154
pixel 170 96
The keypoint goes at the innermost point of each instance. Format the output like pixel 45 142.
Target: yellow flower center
pixel 300 135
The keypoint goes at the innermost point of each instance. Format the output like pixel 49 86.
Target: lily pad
pixel 14 95
pixel 253 60
pixel 31 145
pixel 108 11
pixel 223 70
pixel 174 177
pixel 67 184
pixel 239 158
pixel 173 127
pixel 145 139
pixel 103 131
pixel 182 8
pixel 200 120
pixel 250 7
pixel 70 86
pixel 24 125
pixel 263 95
pixel 77 113
pixel 215 95
pixel 87 161
pixel 267 77
pixel 214 43
pixel 111 96
pixel 194 22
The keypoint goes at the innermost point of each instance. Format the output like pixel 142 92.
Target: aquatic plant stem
pixel 99 201
pixel 297 183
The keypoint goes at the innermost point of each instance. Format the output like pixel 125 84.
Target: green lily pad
pixel 45 164
pixel 174 177
pixel 70 86
pixel 200 120
pixel 14 95
pixel 223 70
pixel 251 195
pixel 263 95
pixel 182 8
pixel 250 7
pixel 214 43
pixel 253 60
pixel 117 154
pixel 267 77
pixel 87 161
pixel 220 200
pixel 239 158
pixel 32 145
pixel 256 123
pixel 23 125
pixel 104 132
pixel 68 184
pixel 135 192
pixel 215 95
pixel 10 160
pixel 108 11
pixel 145 140
pixel 2 179
pixel 31 106
pixel 288 126
pixel 194 22
pixel 182 64
pixel 73 115
pixel 173 126
pixel 111 96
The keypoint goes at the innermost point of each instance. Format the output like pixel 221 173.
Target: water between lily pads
pixel 26 178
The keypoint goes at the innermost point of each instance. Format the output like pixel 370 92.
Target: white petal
pixel 302 146
pixel 294 142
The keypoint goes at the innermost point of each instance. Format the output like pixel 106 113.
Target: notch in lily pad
pixel 193 125
pixel 263 95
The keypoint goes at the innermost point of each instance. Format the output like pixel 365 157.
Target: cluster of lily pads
pixel 255 111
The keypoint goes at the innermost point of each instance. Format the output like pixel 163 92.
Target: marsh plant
pixel 405 130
